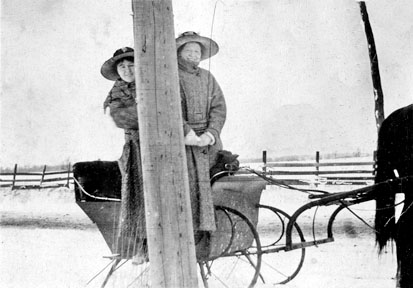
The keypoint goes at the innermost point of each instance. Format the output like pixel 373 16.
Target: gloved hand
pixel 191 139
pixel 205 140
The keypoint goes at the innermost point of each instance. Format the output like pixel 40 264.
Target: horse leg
pixel 405 266
pixel 398 275
pixel 404 244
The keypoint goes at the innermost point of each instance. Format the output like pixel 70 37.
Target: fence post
pixel 68 176
pixel 317 161
pixel 317 168
pixel 41 179
pixel 264 160
pixel 14 176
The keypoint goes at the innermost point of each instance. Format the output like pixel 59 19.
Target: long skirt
pixel 132 229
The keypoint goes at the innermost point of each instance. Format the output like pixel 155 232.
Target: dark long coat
pixel 203 110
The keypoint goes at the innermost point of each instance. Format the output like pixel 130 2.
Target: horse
pixel 395 160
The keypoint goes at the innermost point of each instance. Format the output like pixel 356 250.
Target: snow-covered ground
pixel 47 241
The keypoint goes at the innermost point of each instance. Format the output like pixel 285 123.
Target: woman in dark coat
pixel 122 104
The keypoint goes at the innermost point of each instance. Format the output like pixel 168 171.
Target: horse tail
pixel 385 222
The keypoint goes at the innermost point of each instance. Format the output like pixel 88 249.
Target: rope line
pixel 92 196
pixel 100 272
pixel 357 216
pixel 282 184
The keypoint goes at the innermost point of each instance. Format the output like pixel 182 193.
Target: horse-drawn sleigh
pixel 238 240
pixel 238 246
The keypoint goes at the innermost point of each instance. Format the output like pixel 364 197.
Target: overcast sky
pixel 295 74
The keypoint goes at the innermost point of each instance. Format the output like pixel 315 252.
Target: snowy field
pixel 47 241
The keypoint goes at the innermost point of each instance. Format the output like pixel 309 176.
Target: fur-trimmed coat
pixel 132 232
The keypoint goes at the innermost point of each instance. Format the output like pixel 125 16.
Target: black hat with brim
pixel 109 69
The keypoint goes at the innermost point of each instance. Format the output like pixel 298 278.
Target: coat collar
pixel 187 66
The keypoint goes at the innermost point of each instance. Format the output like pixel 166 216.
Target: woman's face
pixel 192 52
pixel 126 70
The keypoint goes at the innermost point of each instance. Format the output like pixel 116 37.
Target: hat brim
pixel 109 71
pixel 209 46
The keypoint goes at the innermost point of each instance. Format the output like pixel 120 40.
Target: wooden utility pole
pixel 165 176
pixel 374 64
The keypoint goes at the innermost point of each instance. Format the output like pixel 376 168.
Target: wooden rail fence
pixel 44 179
pixel 290 172
pixel 317 172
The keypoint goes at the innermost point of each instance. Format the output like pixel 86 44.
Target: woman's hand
pixel 191 139
pixel 205 140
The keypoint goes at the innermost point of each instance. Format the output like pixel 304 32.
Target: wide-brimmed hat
pixel 209 46
pixel 109 70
